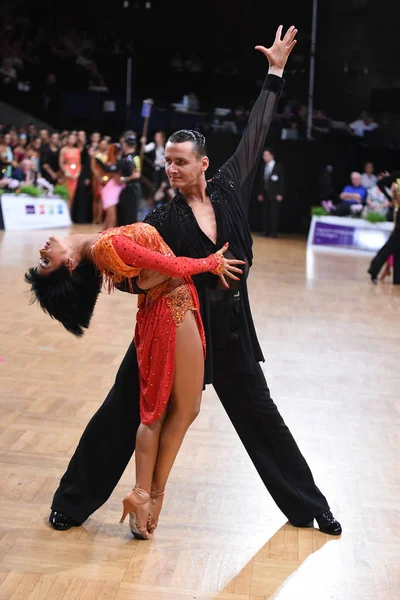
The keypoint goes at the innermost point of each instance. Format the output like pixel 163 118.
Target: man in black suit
pixel 271 193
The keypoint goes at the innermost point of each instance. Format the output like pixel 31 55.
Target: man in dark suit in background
pixel 271 192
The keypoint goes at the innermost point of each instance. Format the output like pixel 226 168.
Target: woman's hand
pixel 226 267
pixel 278 53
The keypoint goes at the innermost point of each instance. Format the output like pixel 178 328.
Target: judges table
pixel 23 212
pixel 348 235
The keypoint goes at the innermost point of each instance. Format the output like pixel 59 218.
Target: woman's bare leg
pixel 184 407
pixel 137 502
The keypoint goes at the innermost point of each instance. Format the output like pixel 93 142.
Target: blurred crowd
pixel 366 192
pixel 109 181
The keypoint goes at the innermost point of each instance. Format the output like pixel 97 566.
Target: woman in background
pixel 70 165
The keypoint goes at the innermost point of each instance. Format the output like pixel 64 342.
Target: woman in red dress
pixel 169 337
pixel 70 164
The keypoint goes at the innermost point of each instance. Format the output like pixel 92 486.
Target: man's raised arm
pixel 244 162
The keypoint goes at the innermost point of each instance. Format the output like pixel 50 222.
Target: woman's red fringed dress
pixel 122 253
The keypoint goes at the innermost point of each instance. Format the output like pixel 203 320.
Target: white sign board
pixel 24 212
pixel 346 234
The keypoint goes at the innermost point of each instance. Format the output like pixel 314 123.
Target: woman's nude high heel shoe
pixel 156 502
pixel 135 506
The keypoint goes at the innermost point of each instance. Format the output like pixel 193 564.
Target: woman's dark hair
pixel 189 135
pixel 69 298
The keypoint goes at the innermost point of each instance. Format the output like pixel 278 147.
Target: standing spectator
pixel 368 178
pixel 49 159
pixel 70 165
pixel 6 155
pixel 154 157
pixel 99 180
pixel 272 190
pixel 31 132
pixel 44 136
pixel 82 209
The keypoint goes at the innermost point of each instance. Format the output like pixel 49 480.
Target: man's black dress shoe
pixel 60 521
pixel 326 523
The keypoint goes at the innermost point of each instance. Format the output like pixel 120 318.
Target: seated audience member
pixel 352 195
pixel 363 124
pixel 20 149
pixel 26 173
pixel 376 199
pixel 320 127
pixel 368 178
pixel 33 152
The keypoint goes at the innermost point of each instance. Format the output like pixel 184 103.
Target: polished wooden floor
pixel 331 341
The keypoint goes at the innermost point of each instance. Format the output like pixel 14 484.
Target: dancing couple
pixel 197 223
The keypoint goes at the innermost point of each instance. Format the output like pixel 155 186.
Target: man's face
pixel 182 165
pixel 267 156
pixel 44 134
pixel 356 179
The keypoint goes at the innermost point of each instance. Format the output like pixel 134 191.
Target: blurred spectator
pixel 239 118
pixel 33 152
pixel 327 192
pixel 352 195
pixel 6 155
pixel 368 178
pixel 363 124
pixel 376 200
pixel 8 74
pixel 44 136
pixel 193 64
pixel 49 155
pixel 154 159
pixel 271 191
pixel 20 149
pixel 99 178
pixel 320 126
pixel 300 118
pixel 31 132
pixel 26 173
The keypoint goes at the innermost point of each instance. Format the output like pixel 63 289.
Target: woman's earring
pixel 70 265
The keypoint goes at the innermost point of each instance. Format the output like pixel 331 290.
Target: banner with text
pixel 25 212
